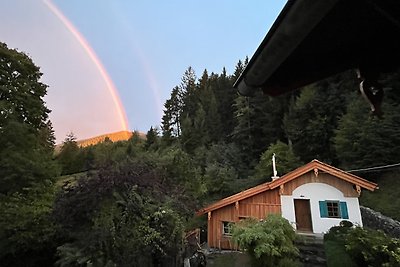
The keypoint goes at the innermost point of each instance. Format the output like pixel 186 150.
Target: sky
pixel 111 65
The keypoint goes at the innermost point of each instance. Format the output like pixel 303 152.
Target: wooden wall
pixel 258 206
pixel 345 187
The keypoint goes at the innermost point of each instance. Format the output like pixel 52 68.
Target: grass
pixel 387 198
pixel 336 255
pixel 231 259
pixel 70 179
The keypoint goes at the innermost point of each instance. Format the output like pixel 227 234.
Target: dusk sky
pixel 110 65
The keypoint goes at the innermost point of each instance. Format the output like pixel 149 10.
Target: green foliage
pixel 334 242
pixel 152 139
pixel 336 255
pixel 312 119
pixel 26 136
pixel 365 141
pixel 23 160
pixel 178 107
pixel 221 86
pixel 120 216
pixel 269 242
pixel 71 157
pixel 177 168
pixel 129 230
pixel 387 198
pixel 366 247
pixel 286 161
pixel 232 259
pixel 258 124
pixel 219 180
pixel 21 93
pixel 339 233
pixel 194 131
pixel 372 248
pixel 28 235
pixel 219 167
pixel 27 232
pixel 108 154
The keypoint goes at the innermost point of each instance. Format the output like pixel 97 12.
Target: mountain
pixel 114 137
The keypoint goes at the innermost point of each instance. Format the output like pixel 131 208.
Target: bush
pixel 372 248
pixel 269 242
pixel 338 233
pixel 366 247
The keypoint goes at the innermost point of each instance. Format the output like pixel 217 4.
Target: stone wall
pixel 375 220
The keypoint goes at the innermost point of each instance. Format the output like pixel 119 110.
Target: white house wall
pixel 316 192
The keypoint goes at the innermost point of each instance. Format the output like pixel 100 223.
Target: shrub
pixel 269 242
pixel 366 247
pixel 372 248
pixel 338 233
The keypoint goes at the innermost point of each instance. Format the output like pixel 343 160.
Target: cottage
pixel 313 198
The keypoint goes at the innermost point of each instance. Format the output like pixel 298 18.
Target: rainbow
pixel 151 80
pixel 92 55
pixel 142 58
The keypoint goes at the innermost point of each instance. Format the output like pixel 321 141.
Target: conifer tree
pixel 71 157
pixel 151 137
pixel 313 117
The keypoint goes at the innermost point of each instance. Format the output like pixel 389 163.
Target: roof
pixel 312 40
pixel 315 164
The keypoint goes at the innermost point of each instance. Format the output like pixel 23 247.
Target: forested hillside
pixel 129 202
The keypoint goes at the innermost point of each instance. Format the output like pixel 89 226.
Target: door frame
pixel 308 207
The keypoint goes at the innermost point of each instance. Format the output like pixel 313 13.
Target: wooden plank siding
pixel 257 206
pixel 346 188
pixel 258 210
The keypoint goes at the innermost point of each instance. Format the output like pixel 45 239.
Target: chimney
pixel 274 171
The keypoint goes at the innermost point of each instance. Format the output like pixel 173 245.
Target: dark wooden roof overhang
pixel 312 40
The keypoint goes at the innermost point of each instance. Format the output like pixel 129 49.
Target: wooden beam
pixel 237 211
pixel 281 189
pixel 358 189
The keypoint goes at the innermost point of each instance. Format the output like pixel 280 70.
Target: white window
pixel 227 228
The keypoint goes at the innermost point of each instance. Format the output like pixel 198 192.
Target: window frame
pixel 342 209
pixel 227 225
pixel 333 207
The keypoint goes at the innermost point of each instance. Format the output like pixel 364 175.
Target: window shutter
pixel 323 209
pixel 343 210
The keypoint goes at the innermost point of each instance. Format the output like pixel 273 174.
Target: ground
pixel 231 259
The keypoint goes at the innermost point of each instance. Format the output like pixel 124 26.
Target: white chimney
pixel 274 171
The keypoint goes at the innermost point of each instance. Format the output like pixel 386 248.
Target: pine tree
pixel 71 157
pixel 151 138
pixel 258 124
pixel 313 117
pixel 171 120
pixel 363 140
pixel 286 161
